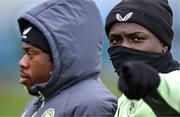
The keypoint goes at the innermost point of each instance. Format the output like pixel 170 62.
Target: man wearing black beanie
pixel 140 36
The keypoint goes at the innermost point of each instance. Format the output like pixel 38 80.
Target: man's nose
pixel 24 62
pixel 125 43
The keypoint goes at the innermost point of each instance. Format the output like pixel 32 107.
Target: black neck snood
pixel 164 63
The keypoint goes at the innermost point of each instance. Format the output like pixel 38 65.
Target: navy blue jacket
pixel 73 29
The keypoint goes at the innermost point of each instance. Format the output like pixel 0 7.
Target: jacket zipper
pixel 42 99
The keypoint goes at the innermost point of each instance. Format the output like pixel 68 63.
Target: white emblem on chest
pixel 49 113
pixel 132 107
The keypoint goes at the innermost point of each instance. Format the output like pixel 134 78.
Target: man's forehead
pixel 128 28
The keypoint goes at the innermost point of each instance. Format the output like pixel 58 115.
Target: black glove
pixel 137 80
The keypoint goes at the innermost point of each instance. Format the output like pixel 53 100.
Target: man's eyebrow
pixel 27 48
pixel 127 34
pixel 114 36
pixel 138 34
pixel 135 33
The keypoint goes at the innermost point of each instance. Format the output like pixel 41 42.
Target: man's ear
pixel 165 48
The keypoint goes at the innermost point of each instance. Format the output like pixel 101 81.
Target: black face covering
pixel 164 63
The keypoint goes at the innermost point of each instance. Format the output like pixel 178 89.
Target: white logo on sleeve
pixel 25 32
pixel 126 17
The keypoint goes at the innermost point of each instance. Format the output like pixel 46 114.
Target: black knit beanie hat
pixel 155 15
pixel 34 37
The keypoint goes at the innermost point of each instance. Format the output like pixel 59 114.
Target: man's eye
pixel 138 39
pixel 114 41
pixel 30 54
pixel 24 53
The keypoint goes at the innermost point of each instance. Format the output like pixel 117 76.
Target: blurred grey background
pixel 12 95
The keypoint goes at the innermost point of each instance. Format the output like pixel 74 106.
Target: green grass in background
pixel 12 103
pixel 13 98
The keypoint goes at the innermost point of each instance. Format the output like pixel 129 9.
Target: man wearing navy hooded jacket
pixel 62 45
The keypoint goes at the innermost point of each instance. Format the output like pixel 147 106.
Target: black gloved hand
pixel 137 80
